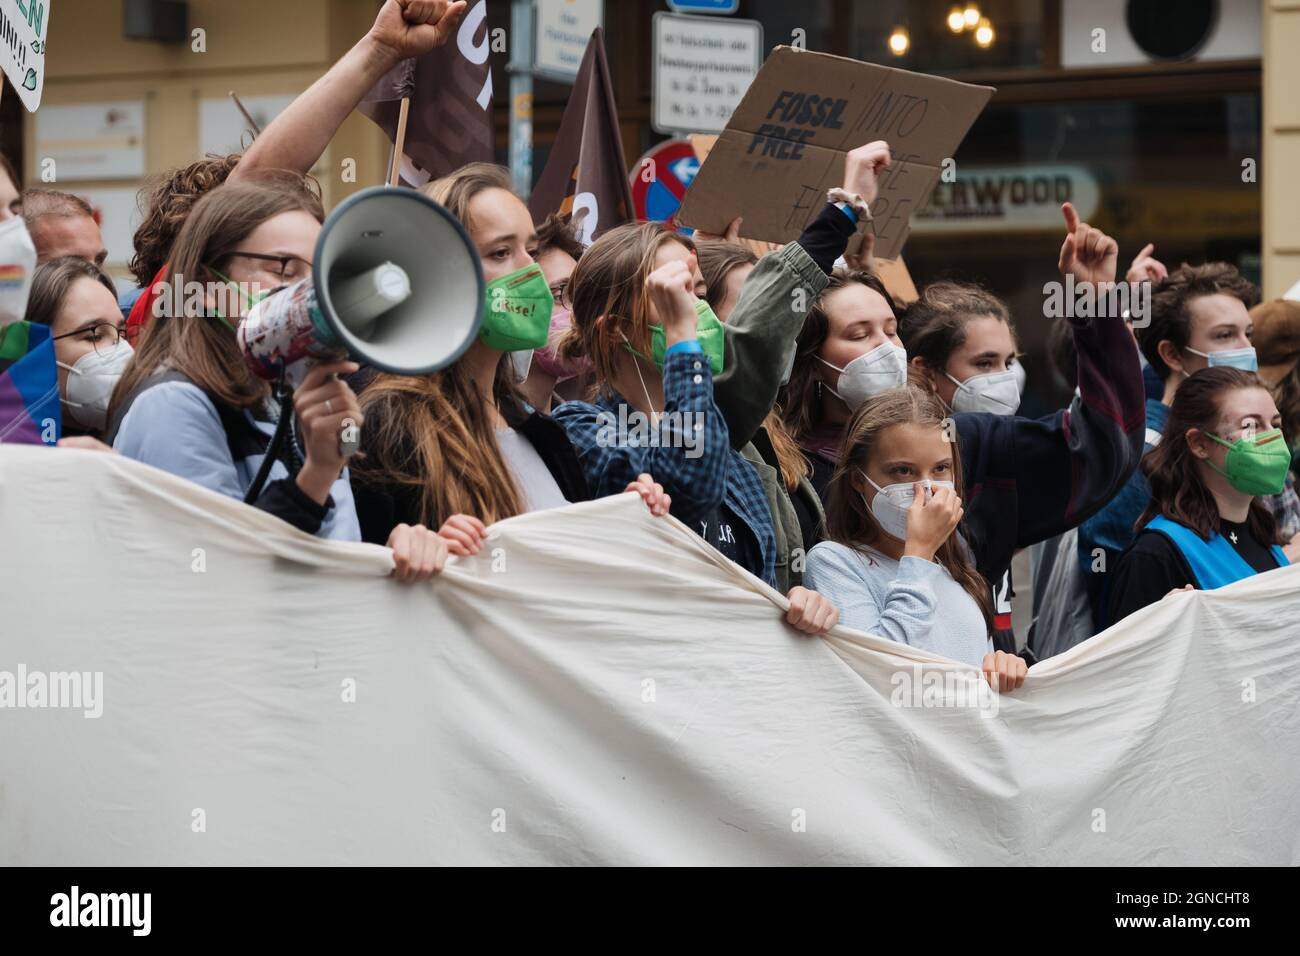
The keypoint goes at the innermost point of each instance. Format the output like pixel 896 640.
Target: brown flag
pixel 585 179
pixel 450 121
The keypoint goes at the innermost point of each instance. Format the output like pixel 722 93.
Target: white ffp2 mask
pixel 892 502
pixel 520 364
pixel 91 380
pixel 871 373
pixel 995 392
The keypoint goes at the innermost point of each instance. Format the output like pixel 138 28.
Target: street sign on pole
pixel 702 68
pixel 660 179
pixel 521 96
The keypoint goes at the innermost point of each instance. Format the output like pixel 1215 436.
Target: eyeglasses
pixel 103 336
pixel 284 267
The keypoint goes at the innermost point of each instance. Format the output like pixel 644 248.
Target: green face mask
pixel 708 330
pixel 517 311
pixel 253 299
pixel 1258 465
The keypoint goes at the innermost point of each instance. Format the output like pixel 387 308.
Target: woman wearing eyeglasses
pixel 189 404
pixel 79 304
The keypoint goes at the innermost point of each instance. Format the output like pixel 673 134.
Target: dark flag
pixel 450 121
pixel 585 179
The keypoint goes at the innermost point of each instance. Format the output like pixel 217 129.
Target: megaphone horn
pixel 396 284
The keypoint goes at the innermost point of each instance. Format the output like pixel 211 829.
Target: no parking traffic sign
pixel 661 177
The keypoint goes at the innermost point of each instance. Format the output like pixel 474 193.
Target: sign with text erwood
pixel 785 145
pixel 702 67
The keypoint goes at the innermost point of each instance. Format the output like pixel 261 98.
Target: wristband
pixel 860 207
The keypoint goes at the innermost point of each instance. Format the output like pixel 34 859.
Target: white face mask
pixel 892 502
pixel 520 363
pixel 879 370
pixel 995 392
pixel 91 382
pixel 1018 370
pixel 17 264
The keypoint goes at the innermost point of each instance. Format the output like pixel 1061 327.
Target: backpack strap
pixel 243 438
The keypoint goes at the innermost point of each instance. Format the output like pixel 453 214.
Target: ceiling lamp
pixel 899 41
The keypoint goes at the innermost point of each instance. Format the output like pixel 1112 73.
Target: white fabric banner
pixel 597 686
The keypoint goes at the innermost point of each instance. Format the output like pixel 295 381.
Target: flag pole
pixel 521 96
pixel 247 118
pixel 399 143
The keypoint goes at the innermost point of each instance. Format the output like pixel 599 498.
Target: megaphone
pixel 396 284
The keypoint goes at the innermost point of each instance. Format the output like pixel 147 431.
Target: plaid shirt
pixel 690 454
pixel 1285 506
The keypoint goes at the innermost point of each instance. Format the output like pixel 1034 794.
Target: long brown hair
pixel 200 347
pixel 1177 490
pixel 717 261
pixel 801 399
pixel 433 433
pixel 849 521
pixel 608 295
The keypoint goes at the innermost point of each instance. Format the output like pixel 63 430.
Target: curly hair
pixel 166 204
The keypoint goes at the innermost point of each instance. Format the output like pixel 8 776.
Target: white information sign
pixel 702 67
pixel 563 29
pixel 92 140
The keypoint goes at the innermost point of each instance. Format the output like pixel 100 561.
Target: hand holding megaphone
pixel 326 406
pixel 284 336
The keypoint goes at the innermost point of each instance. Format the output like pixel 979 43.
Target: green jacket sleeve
pixel 760 334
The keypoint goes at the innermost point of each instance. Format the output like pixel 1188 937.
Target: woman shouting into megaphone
pixel 189 404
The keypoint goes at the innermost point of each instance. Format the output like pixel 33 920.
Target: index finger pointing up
pixel 1071 217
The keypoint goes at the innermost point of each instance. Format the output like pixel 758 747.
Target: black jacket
pixel 383 504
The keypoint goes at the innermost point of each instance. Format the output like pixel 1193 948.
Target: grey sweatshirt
pixel 912 601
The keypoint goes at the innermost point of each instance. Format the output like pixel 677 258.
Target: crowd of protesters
pixel 863 456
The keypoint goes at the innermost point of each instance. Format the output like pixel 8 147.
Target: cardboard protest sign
pixel 784 146
pixel 23 28
pixel 893 273
pixel 703 144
